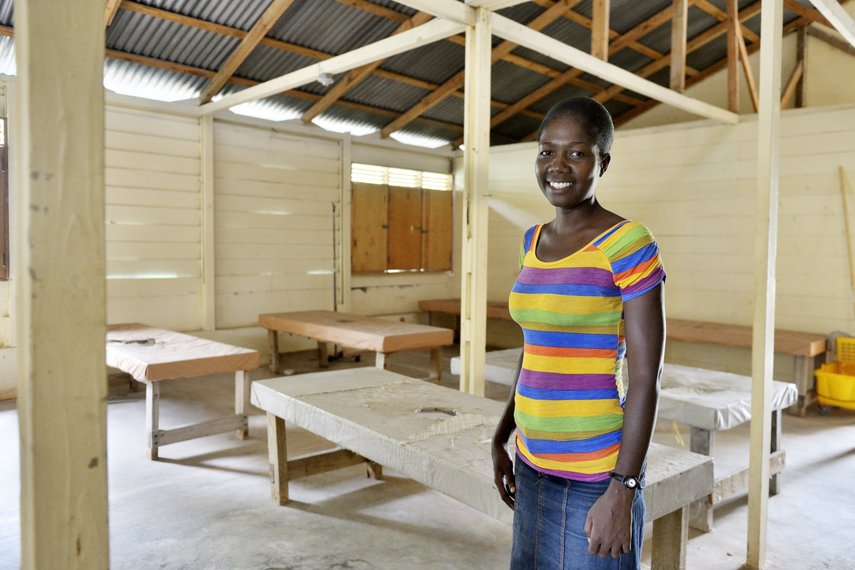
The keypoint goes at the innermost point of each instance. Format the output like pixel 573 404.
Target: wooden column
pixel 732 56
pixel 209 293
pixel 62 383
pixel 476 156
pixel 766 239
pixel 679 24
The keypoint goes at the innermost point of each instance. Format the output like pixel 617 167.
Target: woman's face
pixel 568 163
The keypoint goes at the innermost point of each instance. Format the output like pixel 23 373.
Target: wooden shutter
pixel 437 230
pixel 405 228
pixel 369 207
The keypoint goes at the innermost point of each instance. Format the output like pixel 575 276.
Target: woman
pixel 589 292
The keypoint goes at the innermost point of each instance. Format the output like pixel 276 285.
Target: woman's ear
pixel 604 163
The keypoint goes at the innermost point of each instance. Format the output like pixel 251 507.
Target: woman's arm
pixel 503 467
pixel 609 522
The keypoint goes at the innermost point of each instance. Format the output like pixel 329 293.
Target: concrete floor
pixel 206 503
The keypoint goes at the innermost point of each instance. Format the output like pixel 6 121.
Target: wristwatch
pixel 628 481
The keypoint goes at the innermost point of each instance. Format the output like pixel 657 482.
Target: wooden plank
pixel 208 254
pixel 732 56
pixel 259 29
pixel 369 227
pixel 670 535
pixel 110 9
pixel 736 484
pixel 321 462
pixel 278 454
pixel 679 26
pixel 404 238
pixel 60 291
pixel 437 226
pixel 838 17
pixel 600 29
pixel 202 429
pixel 792 83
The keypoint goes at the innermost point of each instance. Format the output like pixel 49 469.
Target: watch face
pixel 631 482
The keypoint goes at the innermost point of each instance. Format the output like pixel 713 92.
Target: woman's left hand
pixel 609 522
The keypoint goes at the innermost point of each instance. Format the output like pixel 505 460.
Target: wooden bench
pixel 804 347
pixel 360 332
pixel 151 356
pixel 440 438
pixel 707 401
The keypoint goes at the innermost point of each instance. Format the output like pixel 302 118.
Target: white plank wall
pixel 274 222
pixel 153 218
pixel 693 185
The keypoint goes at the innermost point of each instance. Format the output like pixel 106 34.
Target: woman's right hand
pixel 503 474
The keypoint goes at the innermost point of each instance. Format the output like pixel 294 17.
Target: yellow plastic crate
pixel 834 387
pixel 846 349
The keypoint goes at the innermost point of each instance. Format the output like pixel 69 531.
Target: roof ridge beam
pixel 517 33
pixel 434 30
pixel 267 20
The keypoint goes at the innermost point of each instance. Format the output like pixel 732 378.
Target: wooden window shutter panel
pixel 369 204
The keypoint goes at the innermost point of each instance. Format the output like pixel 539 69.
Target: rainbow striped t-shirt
pixel 569 396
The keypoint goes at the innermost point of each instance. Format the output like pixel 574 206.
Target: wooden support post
pixel 732 56
pixel 323 354
pixel 60 282
pixel 766 242
pixel 800 56
pixel 775 446
pixel 209 297
pixel 600 29
pixel 701 511
pixel 277 453
pixel 476 155
pixel 436 364
pixel 679 24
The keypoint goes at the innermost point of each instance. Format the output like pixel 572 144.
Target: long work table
pixel 152 355
pixel 441 438
pixel 360 332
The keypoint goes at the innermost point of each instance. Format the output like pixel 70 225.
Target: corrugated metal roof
pixel 338 26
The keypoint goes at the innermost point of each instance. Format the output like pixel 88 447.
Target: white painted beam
pixel 494 4
pixel 837 17
pixel 209 293
pixel 451 10
pixel 430 32
pixel 766 243
pixel 476 157
pixel 559 51
pixel 61 285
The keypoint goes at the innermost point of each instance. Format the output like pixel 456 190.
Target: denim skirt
pixel 549 523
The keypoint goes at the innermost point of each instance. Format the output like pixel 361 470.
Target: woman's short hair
pixel 596 119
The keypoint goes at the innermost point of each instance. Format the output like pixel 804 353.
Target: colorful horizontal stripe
pixel 569 397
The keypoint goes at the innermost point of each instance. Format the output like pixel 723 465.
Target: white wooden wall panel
pixel 274 222
pixel 153 218
pixel 693 185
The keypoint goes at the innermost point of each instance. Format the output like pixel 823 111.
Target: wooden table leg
pixel 804 381
pixel 152 411
pixel 380 361
pixel 436 364
pixel 242 383
pixel 278 457
pixel 701 511
pixel 323 354
pixel 670 535
pixel 774 482
pixel 273 346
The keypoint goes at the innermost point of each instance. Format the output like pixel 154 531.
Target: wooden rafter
pixel 792 83
pixel 746 68
pixel 356 76
pixel 839 19
pixel 721 16
pixel 806 12
pixel 732 56
pixel 432 99
pixel 623 41
pixel 600 30
pixel 297 49
pixel 709 71
pixel 110 9
pixel 833 41
pixel 679 25
pixel 267 20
